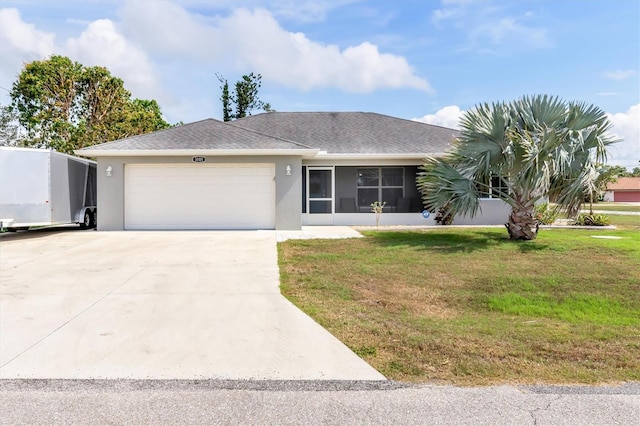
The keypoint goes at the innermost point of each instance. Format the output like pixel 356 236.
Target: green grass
pixel 576 308
pixel 625 222
pixel 612 207
pixel 472 307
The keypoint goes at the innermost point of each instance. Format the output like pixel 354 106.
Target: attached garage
pixel 199 196
pixel 628 196
pixel 625 189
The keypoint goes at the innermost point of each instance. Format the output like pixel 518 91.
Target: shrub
pixel 377 207
pixel 592 220
pixel 546 215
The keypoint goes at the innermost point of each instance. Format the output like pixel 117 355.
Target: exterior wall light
pixel 287 170
pixel 109 171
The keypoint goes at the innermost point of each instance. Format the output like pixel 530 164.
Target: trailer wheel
pixel 94 219
pixel 86 220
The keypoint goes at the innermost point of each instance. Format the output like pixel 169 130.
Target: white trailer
pixel 39 187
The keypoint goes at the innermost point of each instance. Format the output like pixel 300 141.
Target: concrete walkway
pixel 157 305
pixel 319 232
pixel 623 213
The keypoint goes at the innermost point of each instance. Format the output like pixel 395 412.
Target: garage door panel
pixel 199 197
pixel 631 196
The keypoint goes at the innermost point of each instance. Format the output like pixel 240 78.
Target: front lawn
pixel 625 222
pixel 470 307
pixel 612 207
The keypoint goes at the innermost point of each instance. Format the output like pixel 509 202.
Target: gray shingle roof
pixel 205 134
pixel 352 132
pixel 333 132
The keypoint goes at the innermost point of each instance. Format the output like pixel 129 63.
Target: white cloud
pixel 252 40
pixel 102 45
pixel 620 74
pixel 99 44
pixel 183 35
pixel 20 34
pixel 453 10
pixel 20 42
pixel 509 31
pixel 294 60
pixel 626 125
pixel 302 11
pixel 489 27
pixel 305 10
pixel 166 52
pixel 448 116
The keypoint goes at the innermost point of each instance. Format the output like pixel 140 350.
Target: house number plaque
pixel 199 159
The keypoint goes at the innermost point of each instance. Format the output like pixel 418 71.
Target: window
pixel 379 184
pixel 497 185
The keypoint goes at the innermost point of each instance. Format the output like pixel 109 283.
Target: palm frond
pixel 442 184
pixel 543 144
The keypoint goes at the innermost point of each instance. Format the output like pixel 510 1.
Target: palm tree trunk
pixel 522 224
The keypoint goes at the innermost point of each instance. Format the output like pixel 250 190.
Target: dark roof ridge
pixel 356 112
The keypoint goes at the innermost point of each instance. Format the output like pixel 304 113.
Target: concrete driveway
pixel 157 305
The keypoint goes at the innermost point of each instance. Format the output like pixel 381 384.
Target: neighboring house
pixel 275 170
pixel 624 189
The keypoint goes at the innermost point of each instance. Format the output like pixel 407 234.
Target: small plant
pixel 584 219
pixel 377 207
pixel 546 215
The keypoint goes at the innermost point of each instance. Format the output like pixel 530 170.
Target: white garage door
pixel 198 196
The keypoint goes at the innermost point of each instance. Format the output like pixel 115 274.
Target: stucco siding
pixel 492 212
pixel 111 188
pixel 386 219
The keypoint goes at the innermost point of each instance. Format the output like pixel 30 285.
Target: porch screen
pixel 384 184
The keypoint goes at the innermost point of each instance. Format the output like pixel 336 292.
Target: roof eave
pixel 88 152
pixel 388 156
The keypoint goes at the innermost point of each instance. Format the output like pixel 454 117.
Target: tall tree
pixel 46 99
pixel 65 106
pixel 244 97
pixel 227 110
pixel 142 116
pixel 9 133
pixel 541 146
pixel 103 105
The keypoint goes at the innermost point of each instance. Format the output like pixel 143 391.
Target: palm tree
pixel 540 146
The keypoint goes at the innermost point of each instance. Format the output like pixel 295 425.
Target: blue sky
pixel 426 60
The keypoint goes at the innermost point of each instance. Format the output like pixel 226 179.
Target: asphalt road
pixel 311 402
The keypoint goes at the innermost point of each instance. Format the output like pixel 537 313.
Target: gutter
pixel 88 152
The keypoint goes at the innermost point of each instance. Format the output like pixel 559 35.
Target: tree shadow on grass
pixel 453 241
